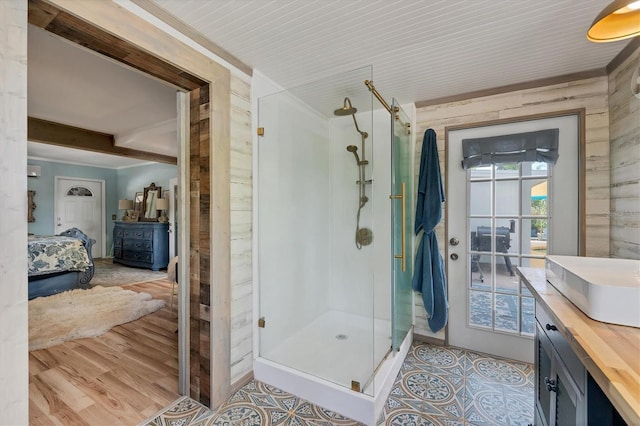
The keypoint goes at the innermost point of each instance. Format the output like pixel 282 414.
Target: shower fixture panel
pixel 363 236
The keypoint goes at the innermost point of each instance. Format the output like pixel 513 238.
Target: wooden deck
pixel 119 378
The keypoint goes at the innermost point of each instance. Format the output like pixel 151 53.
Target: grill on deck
pixel 481 241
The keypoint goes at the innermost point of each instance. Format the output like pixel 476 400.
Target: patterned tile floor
pixel 436 386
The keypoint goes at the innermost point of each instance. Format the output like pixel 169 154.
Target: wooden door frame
pixel 203 161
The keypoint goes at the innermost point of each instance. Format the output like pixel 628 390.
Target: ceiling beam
pixel 65 25
pixel 87 140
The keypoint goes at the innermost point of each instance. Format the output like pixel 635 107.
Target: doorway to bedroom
pixel 129 376
pixel 204 86
pixel 114 377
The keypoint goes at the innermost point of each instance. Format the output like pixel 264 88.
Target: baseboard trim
pixel 241 382
pixel 428 339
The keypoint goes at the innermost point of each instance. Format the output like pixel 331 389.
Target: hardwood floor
pixel 119 378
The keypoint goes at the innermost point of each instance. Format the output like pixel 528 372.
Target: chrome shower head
pixel 346 109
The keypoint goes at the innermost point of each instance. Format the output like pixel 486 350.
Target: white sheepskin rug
pixel 76 314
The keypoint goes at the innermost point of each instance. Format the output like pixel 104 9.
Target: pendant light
pixel 617 21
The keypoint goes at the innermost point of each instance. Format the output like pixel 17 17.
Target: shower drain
pixel 342 337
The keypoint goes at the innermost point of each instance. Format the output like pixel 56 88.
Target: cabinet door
pixel 544 373
pixel 569 407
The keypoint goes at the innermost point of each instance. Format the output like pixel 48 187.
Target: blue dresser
pixel 141 244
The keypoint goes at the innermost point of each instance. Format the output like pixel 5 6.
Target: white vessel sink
pixel 604 289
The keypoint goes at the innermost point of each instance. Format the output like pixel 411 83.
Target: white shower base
pixel 317 364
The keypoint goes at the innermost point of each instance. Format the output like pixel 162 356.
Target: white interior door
pixel 79 203
pixel 500 217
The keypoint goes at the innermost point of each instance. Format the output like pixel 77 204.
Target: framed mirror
pixel 148 212
pixel 31 206
pixel 137 202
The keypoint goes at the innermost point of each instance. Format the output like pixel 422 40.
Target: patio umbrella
pixel 429 277
pixel 539 191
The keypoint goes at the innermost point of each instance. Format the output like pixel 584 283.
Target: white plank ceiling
pixel 419 49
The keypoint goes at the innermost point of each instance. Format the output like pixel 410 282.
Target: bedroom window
pixel 79 191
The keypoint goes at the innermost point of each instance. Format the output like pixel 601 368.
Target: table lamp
pixel 162 204
pixel 125 205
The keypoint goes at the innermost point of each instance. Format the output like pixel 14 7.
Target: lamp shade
pixel 162 203
pixel 125 204
pixel 619 20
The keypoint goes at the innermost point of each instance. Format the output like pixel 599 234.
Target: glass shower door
pixel 316 287
pixel 401 215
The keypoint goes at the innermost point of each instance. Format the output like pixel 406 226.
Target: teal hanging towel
pixel 429 276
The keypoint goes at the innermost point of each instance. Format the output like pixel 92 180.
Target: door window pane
pixel 534 169
pixel 480 312
pixel 506 236
pixel 534 197
pixel 79 191
pixel 527 316
pixel 481 271
pixel 480 199
pixel 480 172
pixel 507 171
pixel 534 242
pixel 507 196
pixel 480 238
pixel 505 271
pixel 507 312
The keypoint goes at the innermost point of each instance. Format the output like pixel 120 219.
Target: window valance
pixel 540 146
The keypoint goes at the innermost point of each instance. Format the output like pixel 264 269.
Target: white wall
pixel 351 286
pixel 294 221
pixel 361 279
pixel 14 380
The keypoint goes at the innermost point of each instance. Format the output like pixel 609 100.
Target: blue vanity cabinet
pixel 566 394
pixel 141 244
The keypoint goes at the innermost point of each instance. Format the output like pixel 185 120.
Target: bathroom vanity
pixel 587 371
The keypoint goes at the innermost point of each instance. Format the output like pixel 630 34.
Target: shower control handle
pixel 454 241
pixel 454 256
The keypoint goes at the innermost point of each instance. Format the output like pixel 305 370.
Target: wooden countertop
pixel 611 353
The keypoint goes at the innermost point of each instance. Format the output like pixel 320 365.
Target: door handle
pixel 454 241
pixel 454 256
pixel 402 232
pixel 552 386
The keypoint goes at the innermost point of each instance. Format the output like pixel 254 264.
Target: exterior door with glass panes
pixel 501 216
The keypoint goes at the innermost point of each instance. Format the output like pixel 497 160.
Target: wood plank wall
pixel 241 175
pixel 624 113
pixel 590 94
pixel 199 255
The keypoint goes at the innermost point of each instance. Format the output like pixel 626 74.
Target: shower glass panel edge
pixel 316 287
pixel 402 225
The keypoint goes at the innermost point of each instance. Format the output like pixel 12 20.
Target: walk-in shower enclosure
pixel 334 209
